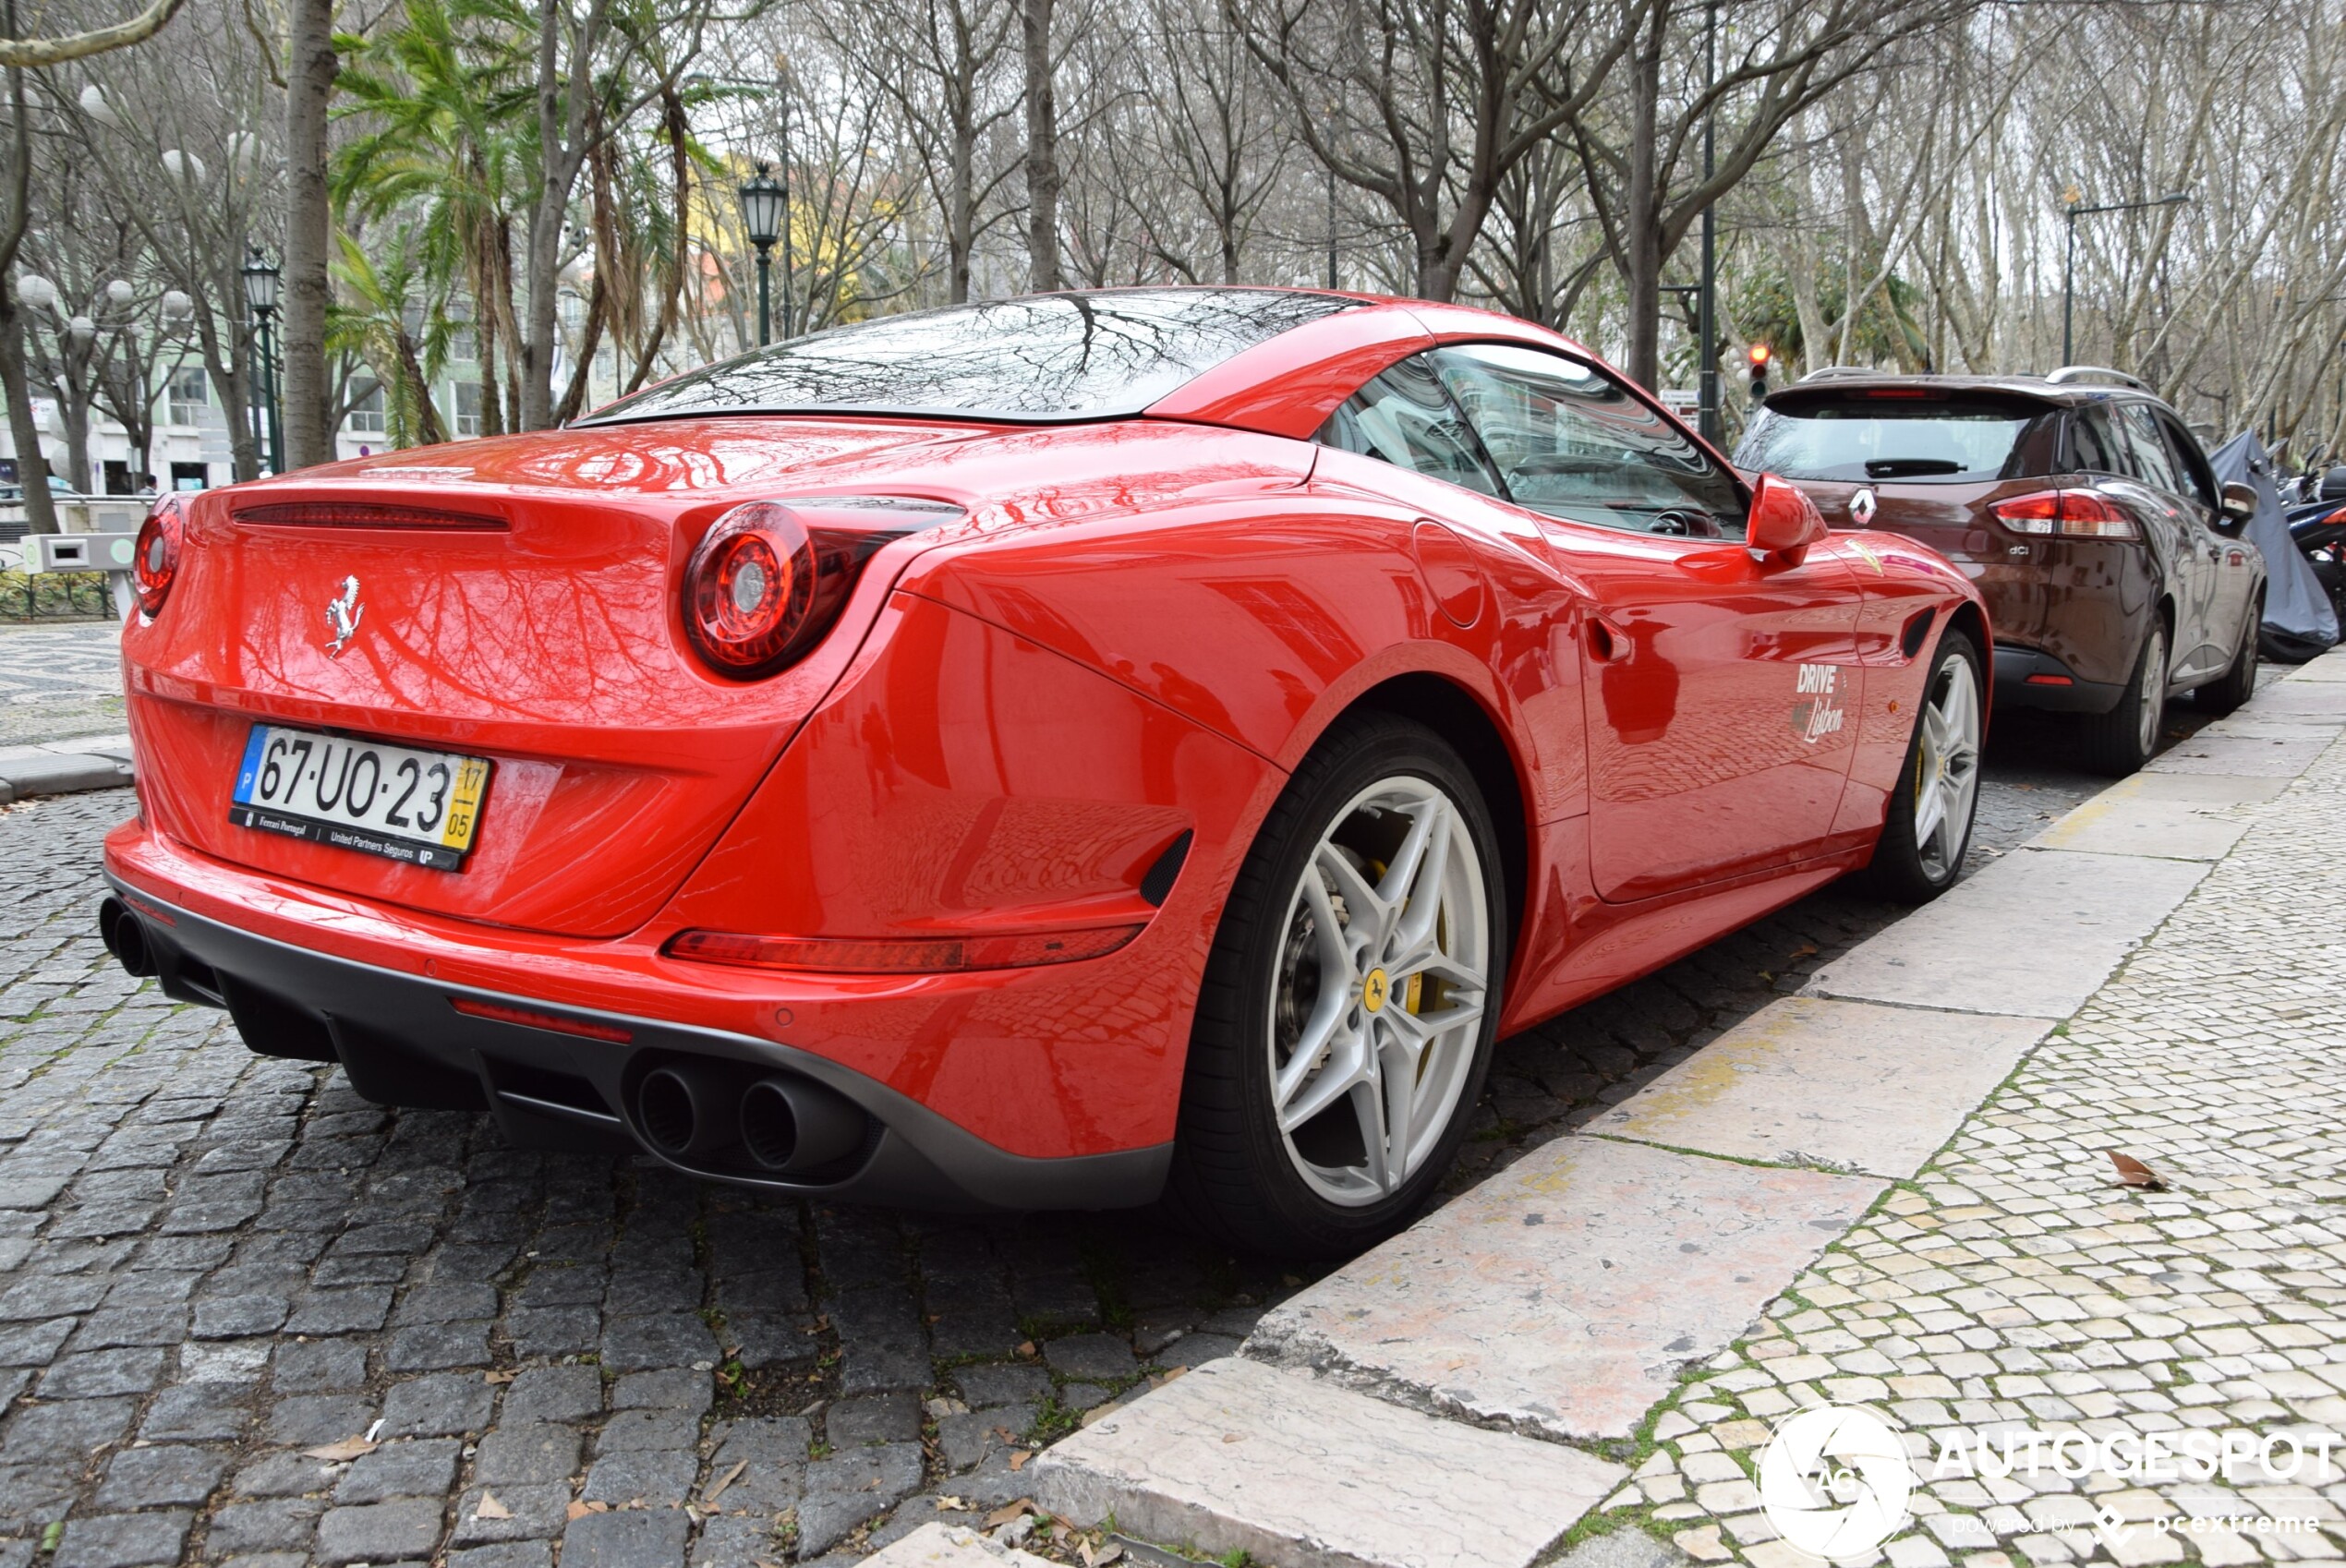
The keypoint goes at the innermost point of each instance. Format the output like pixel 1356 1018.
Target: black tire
pixel 1232 1176
pixel 1903 869
pixel 2117 743
pixel 2230 690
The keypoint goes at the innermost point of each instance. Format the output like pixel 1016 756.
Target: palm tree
pixel 449 141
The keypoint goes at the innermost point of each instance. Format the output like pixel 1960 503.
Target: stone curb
pixel 1488 1310
pixel 65 767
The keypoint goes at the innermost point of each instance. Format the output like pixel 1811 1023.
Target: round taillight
pixel 749 592
pixel 158 562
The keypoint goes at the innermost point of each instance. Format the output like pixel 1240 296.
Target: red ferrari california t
pixel 1057 751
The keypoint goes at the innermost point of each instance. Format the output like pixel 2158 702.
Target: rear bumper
pixel 403 1040
pixel 2026 678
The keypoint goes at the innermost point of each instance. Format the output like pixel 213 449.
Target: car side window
pixel 2153 462
pixel 2198 478
pixel 1404 418
pixel 2092 446
pixel 1571 442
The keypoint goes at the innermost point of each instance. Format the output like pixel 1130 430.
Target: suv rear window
pixel 1861 439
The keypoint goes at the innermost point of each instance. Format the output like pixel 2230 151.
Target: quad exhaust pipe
pixel 125 936
pixel 697 1114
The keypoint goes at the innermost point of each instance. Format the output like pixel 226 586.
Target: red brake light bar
pixel 917 956
pixel 2076 513
pixel 362 514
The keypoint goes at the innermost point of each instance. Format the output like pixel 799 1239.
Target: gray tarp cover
pixel 2295 607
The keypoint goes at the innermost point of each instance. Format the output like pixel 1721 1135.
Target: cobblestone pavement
pixel 57 681
pixel 246 1317
pixel 2014 1284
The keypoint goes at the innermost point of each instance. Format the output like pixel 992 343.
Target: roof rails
pixel 2068 373
pixel 1830 372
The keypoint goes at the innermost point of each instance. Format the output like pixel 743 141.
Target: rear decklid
pixel 1925 461
pixel 516 600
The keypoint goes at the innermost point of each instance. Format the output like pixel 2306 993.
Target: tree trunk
pixel 1042 148
pixel 75 411
pixel 309 87
pixel 32 473
pixel 960 224
pixel 533 357
pixel 1642 221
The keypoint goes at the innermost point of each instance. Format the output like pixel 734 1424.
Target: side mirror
pixel 2240 506
pixel 1785 522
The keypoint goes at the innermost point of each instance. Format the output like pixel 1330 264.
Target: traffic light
pixel 1761 354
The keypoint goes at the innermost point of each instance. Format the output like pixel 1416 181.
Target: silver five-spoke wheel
pixel 1947 768
pixel 1377 1006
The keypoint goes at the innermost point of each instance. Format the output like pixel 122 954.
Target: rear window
pixel 1046 357
pixel 1908 441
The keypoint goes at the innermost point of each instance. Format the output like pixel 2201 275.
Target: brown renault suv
pixel 2113 565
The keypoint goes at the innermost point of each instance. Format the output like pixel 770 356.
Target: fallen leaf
pixel 1026 1348
pixel 2133 1173
pixel 1019 1459
pixel 949 1503
pixel 1112 1552
pixel 1006 1434
pixel 1805 950
pixel 499 1377
pixel 714 1492
pixel 598 1508
pixel 1009 1511
pixel 339 1453
pixel 1233 1437
pixel 489 1508
pixel 576 1511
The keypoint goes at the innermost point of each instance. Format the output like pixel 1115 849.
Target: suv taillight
pixel 2087 515
pixel 768 579
pixel 158 558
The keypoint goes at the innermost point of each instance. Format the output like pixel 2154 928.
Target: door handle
pixel 1607 642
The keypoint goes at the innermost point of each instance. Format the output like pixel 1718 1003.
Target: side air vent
pixel 1910 643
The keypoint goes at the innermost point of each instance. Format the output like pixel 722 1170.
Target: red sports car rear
pixel 1037 754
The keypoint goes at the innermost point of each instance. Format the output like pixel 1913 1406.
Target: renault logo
pixel 1862 507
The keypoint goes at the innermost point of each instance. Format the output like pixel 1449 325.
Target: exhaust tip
pixel 794 1126
pixel 125 936
pixel 665 1110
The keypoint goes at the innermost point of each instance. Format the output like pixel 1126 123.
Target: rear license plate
pixel 421 807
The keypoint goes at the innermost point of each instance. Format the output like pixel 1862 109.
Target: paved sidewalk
pixel 1809 1209
pixel 59 682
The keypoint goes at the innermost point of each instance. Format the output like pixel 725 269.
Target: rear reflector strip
pixel 363 515
pixel 2050 680
pixel 497 1013
pixel 926 956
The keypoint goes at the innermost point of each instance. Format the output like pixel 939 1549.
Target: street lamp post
pixel 2073 211
pixel 763 199
pixel 1706 316
pixel 261 279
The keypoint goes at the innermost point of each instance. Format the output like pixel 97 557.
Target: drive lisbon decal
pixel 1819 712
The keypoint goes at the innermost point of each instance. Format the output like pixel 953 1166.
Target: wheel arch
pixel 1454 712
pixel 1971 620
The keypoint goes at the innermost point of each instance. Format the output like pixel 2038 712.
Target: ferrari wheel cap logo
pixel 1374 989
pixel 342 616
pixel 1862 507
